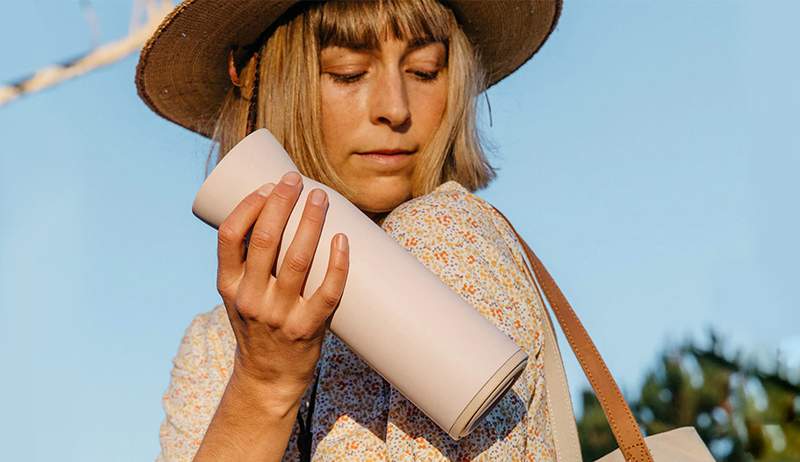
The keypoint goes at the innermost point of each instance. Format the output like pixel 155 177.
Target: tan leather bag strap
pixel 559 403
pixel 626 431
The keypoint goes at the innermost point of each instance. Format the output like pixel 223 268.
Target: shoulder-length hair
pixel 288 99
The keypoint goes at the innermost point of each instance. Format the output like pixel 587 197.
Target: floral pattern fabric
pixel 358 416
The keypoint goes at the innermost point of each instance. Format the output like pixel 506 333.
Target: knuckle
pixel 328 299
pixel 314 217
pixel 295 333
pixel 284 196
pixel 263 238
pixel 298 262
pixel 225 290
pixel 227 234
pixel 272 320
pixel 341 264
pixel 253 201
pixel 245 304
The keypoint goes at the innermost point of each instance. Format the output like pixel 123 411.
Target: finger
pixel 231 234
pixel 294 270
pixel 328 295
pixel 267 232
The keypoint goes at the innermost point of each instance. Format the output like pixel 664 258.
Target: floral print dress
pixel 358 416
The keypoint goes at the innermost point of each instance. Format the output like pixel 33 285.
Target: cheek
pixel 430 102
pixel 339 117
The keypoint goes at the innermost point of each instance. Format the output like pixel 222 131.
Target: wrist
pixel 273 399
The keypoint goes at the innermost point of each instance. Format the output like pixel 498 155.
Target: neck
pixel 377 217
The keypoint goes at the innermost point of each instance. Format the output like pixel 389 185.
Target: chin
pixel 380 205
pixel 380 198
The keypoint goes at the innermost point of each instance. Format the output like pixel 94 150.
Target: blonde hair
pixel 288 84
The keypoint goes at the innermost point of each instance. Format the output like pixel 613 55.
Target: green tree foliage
pixel 743 412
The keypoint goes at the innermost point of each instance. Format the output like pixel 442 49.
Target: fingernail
pixel 317 197
pixel 341 242
pixel 291 178
pixel 266 189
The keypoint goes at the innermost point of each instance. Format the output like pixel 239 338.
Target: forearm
pixel 252 422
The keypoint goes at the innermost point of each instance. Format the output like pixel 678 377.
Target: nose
pixel 389 101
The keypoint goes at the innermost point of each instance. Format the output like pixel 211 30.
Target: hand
pixel 278 333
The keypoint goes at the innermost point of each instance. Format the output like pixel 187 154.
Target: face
pixel 379 108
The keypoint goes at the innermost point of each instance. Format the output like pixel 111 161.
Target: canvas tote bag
pixel 678 445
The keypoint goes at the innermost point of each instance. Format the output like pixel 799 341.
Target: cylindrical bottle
pixel 395 314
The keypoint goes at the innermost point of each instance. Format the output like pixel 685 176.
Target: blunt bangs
pixel 360 25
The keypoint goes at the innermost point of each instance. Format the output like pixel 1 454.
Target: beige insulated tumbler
pixel 395 314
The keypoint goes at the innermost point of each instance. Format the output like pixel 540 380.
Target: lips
pixel 387 159
pixel 387 152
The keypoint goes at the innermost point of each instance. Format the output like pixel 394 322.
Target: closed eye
pixel 346 78
pixel 352 78
pixel 426 76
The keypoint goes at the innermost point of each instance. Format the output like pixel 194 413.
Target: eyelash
pixel 352 78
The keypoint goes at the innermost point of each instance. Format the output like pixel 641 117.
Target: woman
pixel 377 100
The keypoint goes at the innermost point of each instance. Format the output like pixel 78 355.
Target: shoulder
pixel 200 372
pixel 447 203
pixel 451 208
pixel 468 244
pixel 453 228
pixel 208 342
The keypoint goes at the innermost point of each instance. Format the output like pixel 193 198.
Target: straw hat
pixel 182 73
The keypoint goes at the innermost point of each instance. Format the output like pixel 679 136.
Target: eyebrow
pixel 413 44
pixel 419 42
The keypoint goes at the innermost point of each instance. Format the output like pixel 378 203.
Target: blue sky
pixel 649 154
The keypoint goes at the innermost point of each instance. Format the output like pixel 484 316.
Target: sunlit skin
pixel 379 99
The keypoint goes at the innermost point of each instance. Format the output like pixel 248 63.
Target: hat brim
pixel 182 71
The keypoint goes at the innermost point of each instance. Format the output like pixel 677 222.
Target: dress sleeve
pixel 457 235
pixel 201 370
